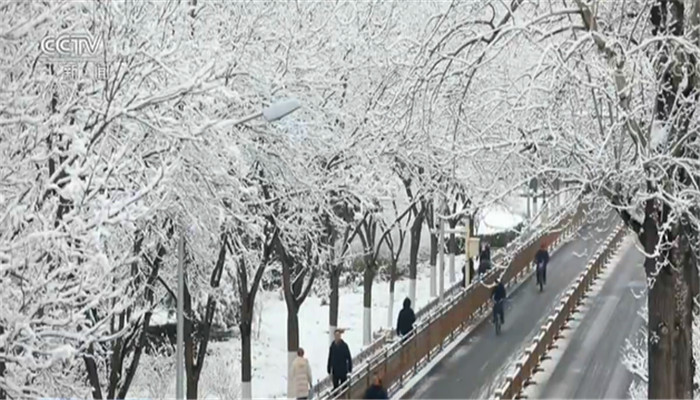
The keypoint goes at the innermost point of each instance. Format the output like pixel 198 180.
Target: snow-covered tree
pixel 603 98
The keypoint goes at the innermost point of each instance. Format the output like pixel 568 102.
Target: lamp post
pixel 271 113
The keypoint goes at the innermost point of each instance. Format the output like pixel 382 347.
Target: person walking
pixel 339 360
pixel 301 376
pixel 376 390
pixel 498 294
pixel 541 260
pixel 406 319
pixel 484 259
pixel 486 252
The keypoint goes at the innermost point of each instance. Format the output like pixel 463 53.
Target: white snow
pixel 270 338
pixel 269 351
pixel 497 219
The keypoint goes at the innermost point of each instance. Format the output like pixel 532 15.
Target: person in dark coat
pixel 376 391
pixel 339 360
pixel 498 294
pixel 542 257
pixel 484 259
pixel 406 319
pixel 486 252
pixel 484 266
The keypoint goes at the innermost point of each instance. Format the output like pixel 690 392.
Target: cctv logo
pixel 71 46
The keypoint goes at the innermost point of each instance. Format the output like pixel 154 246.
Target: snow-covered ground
pixel 221 374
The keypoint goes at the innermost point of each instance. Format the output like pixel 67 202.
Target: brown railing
pixel 323 385
pixel 499 257
pixel 526 366
pixel 399 359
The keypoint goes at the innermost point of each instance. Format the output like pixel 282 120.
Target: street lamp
pixel 271 113
pixel 274 112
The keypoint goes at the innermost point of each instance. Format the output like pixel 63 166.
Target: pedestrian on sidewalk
pixel 376 391
pixel 484 259
pixel 406 320
pixel 301 376
pixel 542 258
pixel 498 294
pixel 339 360
pixel 486 252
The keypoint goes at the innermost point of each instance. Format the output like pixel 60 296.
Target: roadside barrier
pixel 528 364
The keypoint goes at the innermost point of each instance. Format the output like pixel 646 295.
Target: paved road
pixel 477 364
pixel 590 366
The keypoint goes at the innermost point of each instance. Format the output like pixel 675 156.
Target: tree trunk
pixel 295 293
pixel 682 256
pixel 471 259
pixel 292 344
pixel 671 366
pixel 192 387
pixel 189 346
pixel 661 315
pixel 670 304
pixel 529 208
pixel 3 394
pixel 334 281
pixel 452 248
pixel 416 230
pixel 392 284
pixel 429 218
pixel 367 305
pixel 433 250
pixel 93 373
pixel 246 357
pixel 534 208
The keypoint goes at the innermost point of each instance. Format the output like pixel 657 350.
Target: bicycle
pixel 540 276
pixel 497 309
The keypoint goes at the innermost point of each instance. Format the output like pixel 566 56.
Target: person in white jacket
pixel 301 376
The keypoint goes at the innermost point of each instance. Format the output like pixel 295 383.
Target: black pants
pixel 339 380
pixel 544 274
pixel 498 311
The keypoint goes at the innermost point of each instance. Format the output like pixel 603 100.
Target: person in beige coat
pixel 301 376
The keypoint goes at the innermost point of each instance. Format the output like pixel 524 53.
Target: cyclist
pixel 541 261
pixel 498 294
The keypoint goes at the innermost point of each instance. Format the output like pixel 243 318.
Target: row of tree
pixel 106 161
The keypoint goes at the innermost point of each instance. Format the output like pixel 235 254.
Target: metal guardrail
pixel 527 365
pixel 399 359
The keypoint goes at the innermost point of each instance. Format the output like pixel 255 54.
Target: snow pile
pixel 498 220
